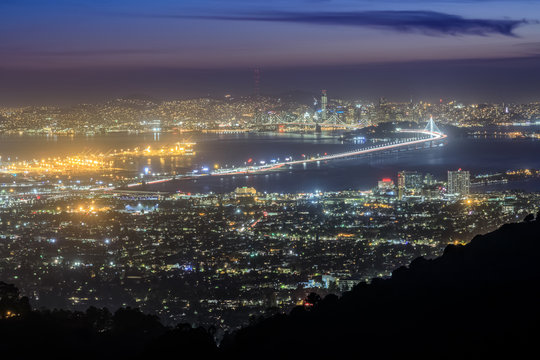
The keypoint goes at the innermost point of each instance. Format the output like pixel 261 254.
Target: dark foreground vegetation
pixel 480 300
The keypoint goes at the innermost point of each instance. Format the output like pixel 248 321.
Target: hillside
pixel 477 300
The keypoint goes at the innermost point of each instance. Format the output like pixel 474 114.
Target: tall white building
pixel 324 104
pixel 459 182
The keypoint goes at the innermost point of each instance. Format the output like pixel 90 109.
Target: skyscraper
pixel 459 182
pixel 410 180
pixel 429 180
pixel 324 103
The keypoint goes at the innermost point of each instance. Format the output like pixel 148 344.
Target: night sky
pixel 65 51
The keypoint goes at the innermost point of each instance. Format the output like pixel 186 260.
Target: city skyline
pixel 286 179
pixel 82 51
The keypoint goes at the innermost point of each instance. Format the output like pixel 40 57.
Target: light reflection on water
pixel 476 155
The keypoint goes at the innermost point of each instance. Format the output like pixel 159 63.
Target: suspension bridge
pixel 430 134
pixel 272 118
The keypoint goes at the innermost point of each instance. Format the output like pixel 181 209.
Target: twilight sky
pixel 63 51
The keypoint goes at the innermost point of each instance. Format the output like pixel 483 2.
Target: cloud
pixel 425 22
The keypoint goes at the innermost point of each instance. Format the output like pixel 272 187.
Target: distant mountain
pixel 481 300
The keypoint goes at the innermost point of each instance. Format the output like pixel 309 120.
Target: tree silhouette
pixel 312 299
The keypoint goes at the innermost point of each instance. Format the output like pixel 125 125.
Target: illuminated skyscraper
pixel 429 180
pixel 324 103
pixel 459 182
pixel 410 180
pixel 351 116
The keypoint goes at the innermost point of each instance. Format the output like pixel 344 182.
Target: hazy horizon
pixel 70 52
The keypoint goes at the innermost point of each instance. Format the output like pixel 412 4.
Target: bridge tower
pixel 432 127
pixel 333 119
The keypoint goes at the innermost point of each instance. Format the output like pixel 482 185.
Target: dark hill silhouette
pixel 480 300
pixel 94 334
